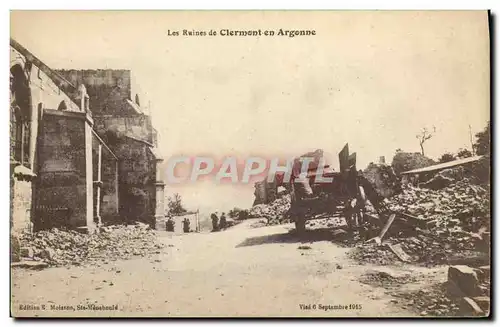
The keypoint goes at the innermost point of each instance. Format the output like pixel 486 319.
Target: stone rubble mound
pixel 457 219
pixel 57 247
pixel 456 204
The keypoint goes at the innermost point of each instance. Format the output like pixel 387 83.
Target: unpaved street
pixel 243 271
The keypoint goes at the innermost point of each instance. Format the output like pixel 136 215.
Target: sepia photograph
pixel 259 163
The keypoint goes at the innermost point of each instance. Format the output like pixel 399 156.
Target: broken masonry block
pixel 465 278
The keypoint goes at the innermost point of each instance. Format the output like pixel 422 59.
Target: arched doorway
pixel 20 116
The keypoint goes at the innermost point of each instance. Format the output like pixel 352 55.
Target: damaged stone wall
pixel 20 204
pixel 106 180
pixel 260 193
pixel 383 178
pixel 113 128
pixel 265 192
pixel 64 185
pixel 110 197
pixel 45 91
pixel 137 177
pixel 121 123
pixel 130 138
pixel 108 89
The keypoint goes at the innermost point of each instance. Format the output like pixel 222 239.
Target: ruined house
pixel 82 153
pixel 265 192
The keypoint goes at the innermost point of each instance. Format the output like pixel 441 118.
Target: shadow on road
pixel 316 235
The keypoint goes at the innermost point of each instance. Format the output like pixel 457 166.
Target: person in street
pixel 170 225
pixel 215 222
pixel 186 224
pixel 222 224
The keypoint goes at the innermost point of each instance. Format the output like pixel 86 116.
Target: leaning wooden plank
pixel 469 307
pixel 378 239
pixel 387 226
pixel 399 252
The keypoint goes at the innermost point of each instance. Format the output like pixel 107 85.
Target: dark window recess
pixel 20 116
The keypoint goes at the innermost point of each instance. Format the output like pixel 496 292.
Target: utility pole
pixel 471 143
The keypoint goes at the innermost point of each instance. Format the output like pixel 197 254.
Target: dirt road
pixel 243 271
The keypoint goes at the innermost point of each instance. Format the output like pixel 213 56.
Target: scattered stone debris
pixel 465 293
pixel 460 203
pixel 385 279
pixel 58 247
pixel 259 223
pixel 429 302
pixel 472 286
pixel 372 253
pixel 457 220
pixel 452 220
pixel 465 278
pixel 328 222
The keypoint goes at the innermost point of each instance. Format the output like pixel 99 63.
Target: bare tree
pixel 424 136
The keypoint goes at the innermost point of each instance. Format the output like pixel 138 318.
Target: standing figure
pixel 186 224
pixel 170 225
pixel 215 222
pixel 222 224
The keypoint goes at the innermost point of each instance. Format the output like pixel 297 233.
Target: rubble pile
pixel 444 178
pixel 328 222
pixel 274 212
pixel 57 247
pixel 472 285
pixel 465 293
pixel 461 206
pixel 429 302
pixel 456 218
pixel 372 253
pixel 382 178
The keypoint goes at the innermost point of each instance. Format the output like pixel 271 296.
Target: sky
pixel 370 79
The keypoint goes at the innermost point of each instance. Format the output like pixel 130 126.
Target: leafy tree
pixel 482 145
pixel 464 153
pixel 175 206
pixel 446 157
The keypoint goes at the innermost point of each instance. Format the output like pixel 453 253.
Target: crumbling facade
pixel 73 163
pixel 127 128
pixel 265 192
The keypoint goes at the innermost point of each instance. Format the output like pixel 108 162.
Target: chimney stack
pixel 382 160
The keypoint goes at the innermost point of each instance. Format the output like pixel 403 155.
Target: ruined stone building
pixel 265 192
pixel 82 152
